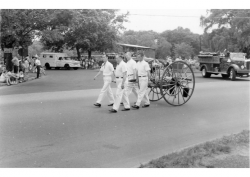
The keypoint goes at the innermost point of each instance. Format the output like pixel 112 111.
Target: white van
pixel 57 61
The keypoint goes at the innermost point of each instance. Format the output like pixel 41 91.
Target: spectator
pixel 5 77
pixel 86 63
pixel 32 64
pixel 38 66
pixel 13 77
pixel 21 77
pixel 15 62
pixel 26 67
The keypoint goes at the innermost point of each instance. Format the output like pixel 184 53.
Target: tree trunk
pixel 89 54
pixel 78 52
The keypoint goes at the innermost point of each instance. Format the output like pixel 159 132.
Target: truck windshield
pixel 237 56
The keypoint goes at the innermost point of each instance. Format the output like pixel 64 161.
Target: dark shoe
pixel 146 105
pixel 121 103
pixel 111 104
pixel 125 109
pixel 113 111
pixel 135 107
pixel 97 104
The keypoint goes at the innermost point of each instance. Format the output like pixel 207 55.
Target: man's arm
pixel 97 74
pixel 124 79
pixel 148 75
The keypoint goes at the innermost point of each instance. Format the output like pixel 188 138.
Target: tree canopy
pixel 232 29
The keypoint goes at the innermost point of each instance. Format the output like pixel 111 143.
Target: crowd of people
pixel 20 70
pixel 89 63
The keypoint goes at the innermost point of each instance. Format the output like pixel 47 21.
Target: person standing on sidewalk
pixel 121 82
pixel 131 86
pixel 107 69
pixel 38 65
pixel 15 62
pixel 143 76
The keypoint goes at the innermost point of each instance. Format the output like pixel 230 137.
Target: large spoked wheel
pixel 154 85
pixel 177 83
pixel 154 92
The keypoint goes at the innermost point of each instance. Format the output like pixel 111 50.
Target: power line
pixel 164 15
pixel 177 16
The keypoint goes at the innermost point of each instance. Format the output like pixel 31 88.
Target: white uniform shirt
pixel 142 67
pixel 37 62
pixel 120 69
pixel 131 65
pixel 107 69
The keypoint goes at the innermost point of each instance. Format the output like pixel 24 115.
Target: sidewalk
pixel 31 76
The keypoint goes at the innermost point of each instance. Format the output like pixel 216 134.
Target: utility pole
pixel 200 42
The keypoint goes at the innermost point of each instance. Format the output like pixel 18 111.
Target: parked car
pixel 58 60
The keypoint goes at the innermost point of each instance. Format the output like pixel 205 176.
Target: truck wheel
pixel 232 74
pixel 225 75
pixel 205 73
pixel 67 67
pixel 47 66
pixel 75 68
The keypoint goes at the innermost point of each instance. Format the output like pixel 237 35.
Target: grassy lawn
pixel 227 152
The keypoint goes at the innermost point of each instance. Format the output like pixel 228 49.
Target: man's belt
pixel 119 77
pixel 130 74
pixel 132 80
pixel 142 76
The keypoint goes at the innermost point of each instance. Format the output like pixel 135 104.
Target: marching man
pixel 131 86
pixel 143 76
pixel 107 69
pixel 121 81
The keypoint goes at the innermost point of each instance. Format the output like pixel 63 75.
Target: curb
pixel 29 79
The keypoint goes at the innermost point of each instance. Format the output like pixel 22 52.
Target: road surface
pixel 51 122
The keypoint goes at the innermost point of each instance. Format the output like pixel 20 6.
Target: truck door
pixel 225 63
pixel 58 61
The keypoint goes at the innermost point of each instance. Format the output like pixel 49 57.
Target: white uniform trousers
pixel 119 93
pixel 131 87
pixel 106 88
pixel 143 93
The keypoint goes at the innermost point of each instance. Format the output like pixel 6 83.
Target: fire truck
pixel 230 65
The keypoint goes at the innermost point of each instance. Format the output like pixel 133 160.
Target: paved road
pixel 44 123
pixel 67 80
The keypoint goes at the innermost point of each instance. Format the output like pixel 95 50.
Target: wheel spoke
pixel 182 96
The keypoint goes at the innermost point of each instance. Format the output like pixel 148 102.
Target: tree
pixel 163 49
pixel 88 30
pixel 237 25
pixel 143 38
pixel 35 48
pixel 180 35
pixel 183 50
pixel 19 26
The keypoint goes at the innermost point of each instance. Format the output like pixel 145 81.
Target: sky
pixel 160 20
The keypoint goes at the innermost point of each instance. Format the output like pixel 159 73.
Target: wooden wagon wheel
pixel 154 92
pixel 177 83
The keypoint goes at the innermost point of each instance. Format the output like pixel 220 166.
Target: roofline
pixel 135 46
pixel 51 53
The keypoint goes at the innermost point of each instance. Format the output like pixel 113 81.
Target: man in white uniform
pixel 131 86
pixel 143 76
pixel 121 82
pixel 107 69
